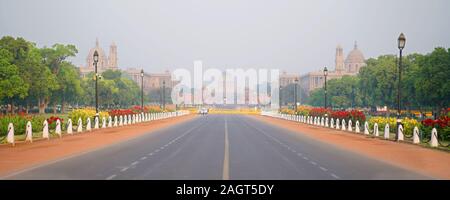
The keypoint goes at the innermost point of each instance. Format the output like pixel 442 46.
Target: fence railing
pixel 110 122
pixel 341 124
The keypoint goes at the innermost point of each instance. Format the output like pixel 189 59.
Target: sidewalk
pixel 26 155
pixel 427 161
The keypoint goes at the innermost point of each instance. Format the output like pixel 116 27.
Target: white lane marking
pixel 334 176
pixel 143 158
pixel 124 169
pixel 157 150
pixel 111 177
pixel 313 163
pixel 306 158
pixel 323 168
pixel 135 163
pixel 299 154
pixel 226 157
pixel 150 154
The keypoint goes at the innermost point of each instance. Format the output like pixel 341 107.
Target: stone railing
pixel 117 121
pixel 342 125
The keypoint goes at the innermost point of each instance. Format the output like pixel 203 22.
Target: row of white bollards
pixel 342 125
pixel 122 120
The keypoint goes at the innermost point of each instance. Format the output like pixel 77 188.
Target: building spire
pixel 96 42
pixel 356 45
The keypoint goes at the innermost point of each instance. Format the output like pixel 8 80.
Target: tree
pixel 433 79
pixel 69 85
pixel 11 84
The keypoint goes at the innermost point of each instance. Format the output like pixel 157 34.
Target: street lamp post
pixel 279 98
pixel 325 74
pixel 164 95
pixel 295 94
pixel 96 84
pixel 142 90
pixel 401 45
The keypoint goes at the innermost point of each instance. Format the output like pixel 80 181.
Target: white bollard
pixel 350 124
pixel 109 121
pixel 120 120
pixel 357 129
pixel 386 131
pixel 337 124
pixel 366 128
pixel 69 126
pixel 326 122
pixel 332 123
pixel 88 124
pixel 29 132
pixel 375 130
pixel 416 139
pixel 103 122
pixel 343 125
pixel 80 125
pixel 434 138
pixel 58 128
pixel 115 121
pixel 10 137
pixel 96 122
pixel 45 130
pixel 322 121
pixel 125 121
pixel 400 133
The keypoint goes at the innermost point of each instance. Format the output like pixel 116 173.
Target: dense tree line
pixel 32 77
pixel 425 84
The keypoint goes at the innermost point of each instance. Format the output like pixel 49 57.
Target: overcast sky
pixel 297 36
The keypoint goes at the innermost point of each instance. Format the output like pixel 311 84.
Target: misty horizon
pixel 297 37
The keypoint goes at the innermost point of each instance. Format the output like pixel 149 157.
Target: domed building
pixel 354 61
pixel 350 66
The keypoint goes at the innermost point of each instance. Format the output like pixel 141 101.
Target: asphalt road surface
pixel 219 147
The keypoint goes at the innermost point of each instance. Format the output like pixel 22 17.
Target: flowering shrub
pixel 408 124
pixel 119 112
pixel 84 114
pixel 319 112
pixel 153 109
pixel 52 122
pixel 442 125
pixel 20 123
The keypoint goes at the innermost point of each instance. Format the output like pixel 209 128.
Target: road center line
pixel 226 164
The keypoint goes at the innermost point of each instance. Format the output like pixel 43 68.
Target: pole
pixel 280 98
pixel 96 90
pixel 325 92
pixel 295 94
pixel 399 92
pixel 142 93
pixel 164 96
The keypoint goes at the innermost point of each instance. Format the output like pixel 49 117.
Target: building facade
pixel 350 66
pixel 152 81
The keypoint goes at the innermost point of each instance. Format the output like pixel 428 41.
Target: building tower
pixel 113 56
pixel 339 61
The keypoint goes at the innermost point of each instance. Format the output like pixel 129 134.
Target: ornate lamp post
pixel 142 90
pixel 325 74
pixel 295 94
pixel 96 84
pixel 401 45
pixel 279 97
pixel 164 96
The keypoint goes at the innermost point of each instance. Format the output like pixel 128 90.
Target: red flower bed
pixel 53 119
pixel 319 112
pixel 119 112
pixel 443 122
pixel 354 115
pixel 138 109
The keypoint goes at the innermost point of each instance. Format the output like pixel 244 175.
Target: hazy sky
pixel 298 36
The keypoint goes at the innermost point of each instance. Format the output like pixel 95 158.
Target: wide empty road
pixel 219 147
